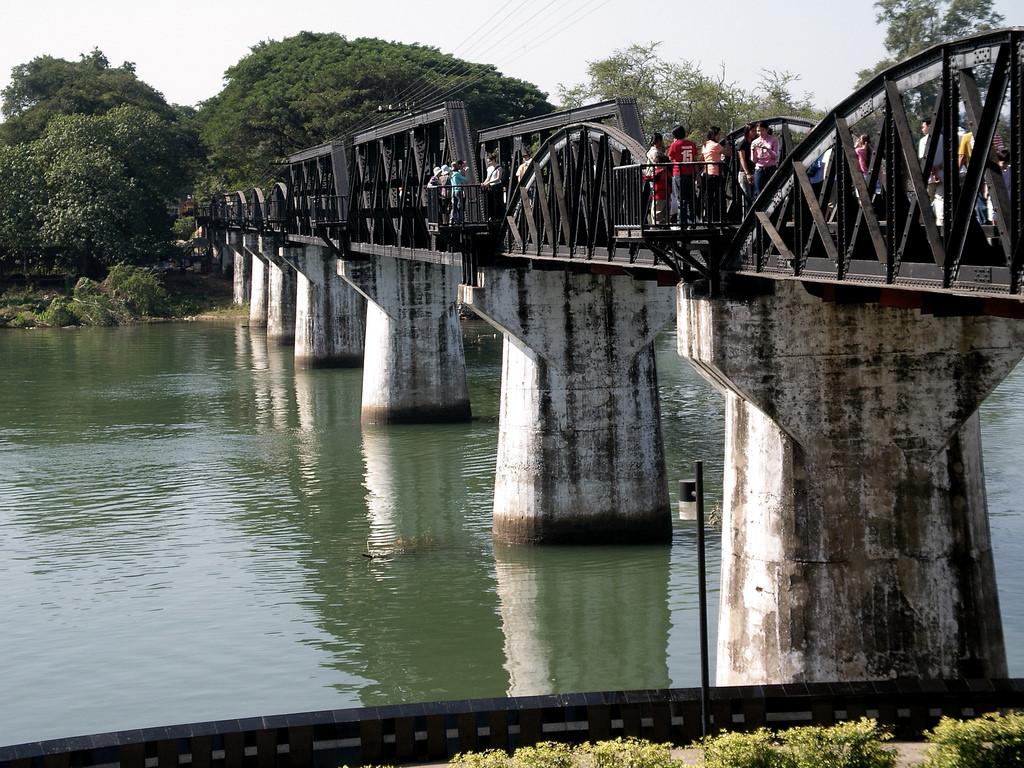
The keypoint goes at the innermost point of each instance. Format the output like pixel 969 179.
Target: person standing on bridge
pixel 862 148
pixel 683 152
pixel 457 180
pixel 764 151
pixel 935 175
pixel 493 186
pixel 658 175
pixel 714 182
pixel 745 175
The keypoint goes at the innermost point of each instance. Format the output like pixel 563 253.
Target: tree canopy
pixel 48 86
pixel 673 92
pixel 92 189
pixel 307 89
pixel 914 25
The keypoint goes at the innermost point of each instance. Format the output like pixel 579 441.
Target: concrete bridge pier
pixel 259 262
pixel 415 367
pixel 281 295
pixel 580 453
pixel 855 532
pixel 329 316
pixel 241 268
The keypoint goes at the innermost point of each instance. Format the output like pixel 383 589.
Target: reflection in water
pixel 584 618
pixel 422 553
pixel 184 519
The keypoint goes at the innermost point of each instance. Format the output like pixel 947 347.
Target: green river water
pixel 184 520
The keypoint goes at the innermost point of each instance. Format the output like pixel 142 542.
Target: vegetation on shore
pixel 991 741
pixel 128 294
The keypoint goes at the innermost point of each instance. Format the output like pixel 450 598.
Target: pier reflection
pixel 422 554
pixel 584 618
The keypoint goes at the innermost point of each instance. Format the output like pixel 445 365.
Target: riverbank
pixel 127 295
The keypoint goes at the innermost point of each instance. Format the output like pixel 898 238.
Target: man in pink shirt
pixel 683 151
pixel 765 152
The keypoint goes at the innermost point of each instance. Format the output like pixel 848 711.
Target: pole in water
pixel 691 507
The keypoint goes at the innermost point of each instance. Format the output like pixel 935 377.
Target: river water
pixel 185 521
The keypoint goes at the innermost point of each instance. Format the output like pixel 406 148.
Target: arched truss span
pixel 255 209
pixel 910 220
pixel 563 206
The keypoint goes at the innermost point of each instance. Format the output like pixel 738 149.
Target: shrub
pixel 547 754
pixel 137 290
pixel 22 320
pixel 91 305
pixel 846 745
pixel 630 753
pixel 490 758
pixel 59 314
pixel 758 749
pixel 989 741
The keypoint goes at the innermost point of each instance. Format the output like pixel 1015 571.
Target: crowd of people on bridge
pixel 688 184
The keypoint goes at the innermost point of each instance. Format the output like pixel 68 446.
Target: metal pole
pixel 702 597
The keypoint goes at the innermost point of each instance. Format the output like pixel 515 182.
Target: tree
pixel 107 179
pixel 913 25
pixel 668 93
pixel 21 206
pixel 310 88
pixel 48 86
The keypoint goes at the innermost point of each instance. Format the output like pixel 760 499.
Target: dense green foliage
pixel 991 741
pixel 93 157
pixel 46 87
pixel 858 744
pixel 126 295
pixel 673 92
pixel 913 25
pixel 92 190
pixel 619 753
pixel 307 89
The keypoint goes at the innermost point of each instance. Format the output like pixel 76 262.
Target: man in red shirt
pixel 684 152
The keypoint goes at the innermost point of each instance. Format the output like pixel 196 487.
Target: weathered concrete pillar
pixel 241 270
pixel 855 530
pixel 580 454
pixel 258 280
pixel 329 315
pixel 281 294
pixel 415 367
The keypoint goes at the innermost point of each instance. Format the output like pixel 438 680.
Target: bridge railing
pixel 276 214
pixel 467 205
pixel 234 213
pixel 328 209
pixel 647 198
pixel 254 215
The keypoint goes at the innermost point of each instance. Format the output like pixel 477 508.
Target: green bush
pixel 846 745
pixel 991 741
pixel 136 290
pixel 630 753
pixel 60 313
pixel 758 749
pixel 91 305
pixel 857 744
pixel 489 758
pixel 547 754
pixel 22 320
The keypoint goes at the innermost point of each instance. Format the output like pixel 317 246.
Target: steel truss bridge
pixel 584 199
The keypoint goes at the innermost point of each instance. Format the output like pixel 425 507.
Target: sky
pixel 183 48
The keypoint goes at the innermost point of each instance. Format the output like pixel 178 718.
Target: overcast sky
pixel 182 48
